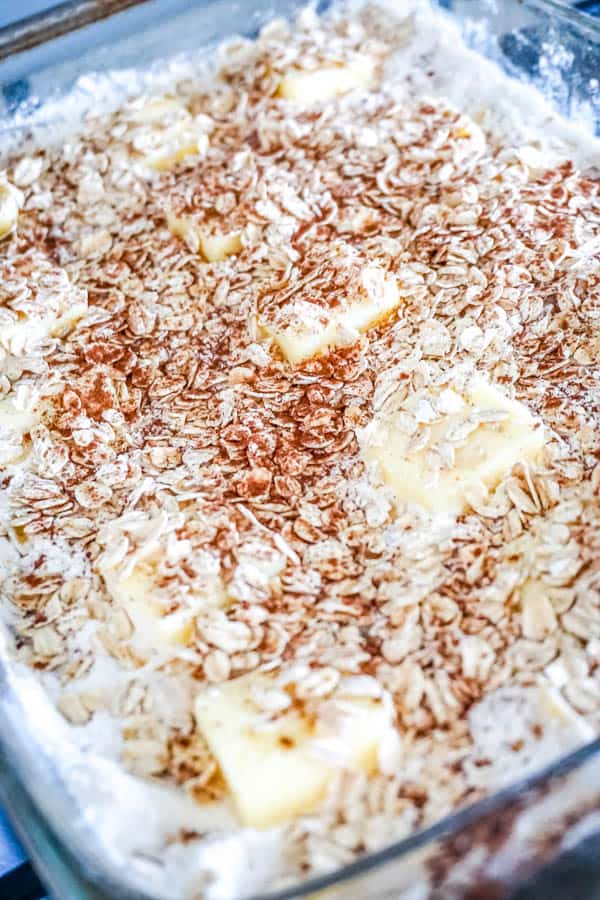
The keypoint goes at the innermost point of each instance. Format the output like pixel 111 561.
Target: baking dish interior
pixel 541 43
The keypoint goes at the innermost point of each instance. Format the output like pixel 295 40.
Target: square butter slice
pixel 163 132
pixel 11 201
pixel 155 625
pixel 39 302
pixel 15 424
pixel 304 329
pixel 306 86
pixel 39 325
pixel 439 448
pixel 276 763
pixel 214 247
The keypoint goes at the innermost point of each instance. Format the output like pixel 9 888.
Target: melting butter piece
pixel 11 201
pixel 314 329
pixel 184 228
pixel 176 144
pixel 136 593
pixel 163 132
pixel 14 425
pixel 474 445
pixel 41 303
pixel 276 764
pixel 155 109
pixel 42 323
pixel 214 247
pixel 156 627
pixel 67 320
pixel 313 85
pixel 17 336
pixel 217 247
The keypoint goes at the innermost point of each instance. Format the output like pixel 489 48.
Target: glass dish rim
pixel 70 15
pixel 453 823
pixel 44 27
pixel 59 19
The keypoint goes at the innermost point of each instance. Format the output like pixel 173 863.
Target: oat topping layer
pixel 258 345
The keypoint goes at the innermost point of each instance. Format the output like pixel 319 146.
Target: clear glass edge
pixel 78 13
pixel 59 19
pixel 583 22
pixel 56 867
pixel 55 847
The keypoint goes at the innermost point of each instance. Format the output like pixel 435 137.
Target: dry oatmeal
pixel 299 446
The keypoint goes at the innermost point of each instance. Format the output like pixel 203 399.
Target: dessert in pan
pixel 299 437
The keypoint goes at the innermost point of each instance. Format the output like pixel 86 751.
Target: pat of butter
pixel 65 322
pixel 214 247
pixel 14 425
pixel 19 335
pixel 311 329
pixel 155 627
pixel 176 144
pixel 11 201
pixel 313 85
pixel 474 445
pixel 271 761
pixel 217 247
pixel 155 109
pixel 163 132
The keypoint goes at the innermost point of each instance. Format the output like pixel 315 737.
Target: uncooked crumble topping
pixel 174 440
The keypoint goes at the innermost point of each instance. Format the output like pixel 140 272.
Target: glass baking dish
pixel 484 850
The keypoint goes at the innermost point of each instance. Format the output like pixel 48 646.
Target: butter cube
pixel 450 449
pixel 306 329
pixel 67 321
pixel 214 247
pixel 217 247
pixel 272 751
pixel 186 229
pixel 314 85
pixel 155 627
pixel 155 109
pixel 11 201
pixel 163 132
pixel 175 144
pixel 41 323
pixel 14 425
